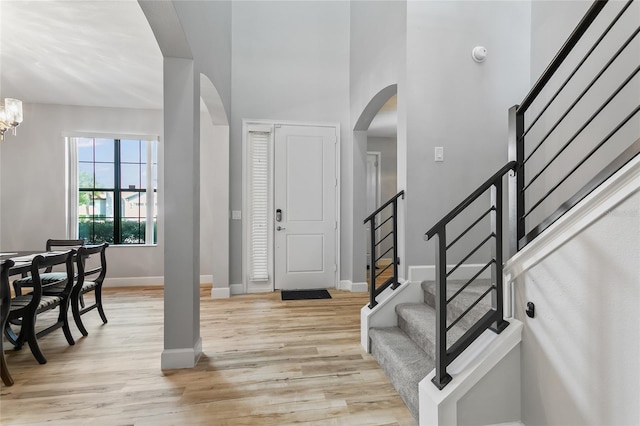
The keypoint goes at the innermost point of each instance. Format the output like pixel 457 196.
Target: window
pixel 117 182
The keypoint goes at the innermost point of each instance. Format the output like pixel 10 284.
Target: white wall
pixel 290 62
pixel 456 103
pixel 580 352
pixel 33 193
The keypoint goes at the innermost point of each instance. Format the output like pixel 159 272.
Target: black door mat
pixel 304 294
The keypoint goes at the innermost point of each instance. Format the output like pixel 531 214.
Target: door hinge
pixel 335 225
pixel 335 267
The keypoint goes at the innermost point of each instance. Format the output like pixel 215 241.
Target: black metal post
pixel 520 177
pixel 395 244
pixel 441 378
pixel 372 265
pixel 497 278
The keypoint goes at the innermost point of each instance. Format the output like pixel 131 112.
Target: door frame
pixel 247 124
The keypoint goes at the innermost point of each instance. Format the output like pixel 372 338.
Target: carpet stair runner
pixel 406 352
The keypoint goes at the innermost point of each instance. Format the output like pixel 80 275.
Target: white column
pixel 182 342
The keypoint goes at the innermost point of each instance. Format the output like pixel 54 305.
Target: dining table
pixel 11 263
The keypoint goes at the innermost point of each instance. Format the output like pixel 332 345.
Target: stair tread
pixel 462 301
pixel 403 361
pixel 418 321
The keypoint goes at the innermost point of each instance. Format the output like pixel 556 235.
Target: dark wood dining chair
pixel 48 276
pixel 5 301
pixel 87 280
pixel 27 307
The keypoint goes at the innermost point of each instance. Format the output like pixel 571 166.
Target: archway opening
pixel 375 134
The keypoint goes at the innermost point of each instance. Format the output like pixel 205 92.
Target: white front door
pixel 305 200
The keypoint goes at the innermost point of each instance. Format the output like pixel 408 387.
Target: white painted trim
pixel 146 281
pixel 173 359
pixel 616 189
pixel 99 135
pixel 348 285
pixel 384 313
pixel 220 293
pixel 269 125
pixel 428 272
pixel 440 406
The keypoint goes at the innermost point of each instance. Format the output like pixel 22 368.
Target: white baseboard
pixel 220 292
pixel 428 272
pixel 173 359
pixel 146 281
pixel 236 289
pixel 347 285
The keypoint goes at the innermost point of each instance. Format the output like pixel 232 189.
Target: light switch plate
pixel 439 153
pixel 236 214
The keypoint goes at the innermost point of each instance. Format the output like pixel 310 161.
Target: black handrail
pixel 470 199
pixel 375 290
pixel 519 237
pixel 518 132
pixel 494 319
pixel 562 54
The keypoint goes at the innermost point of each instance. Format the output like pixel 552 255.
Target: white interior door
pixel 373 193
pixel 305 219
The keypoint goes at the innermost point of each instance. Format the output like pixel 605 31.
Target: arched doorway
pixel 214 190
pixel 375 180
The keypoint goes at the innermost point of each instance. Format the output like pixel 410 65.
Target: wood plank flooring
pixel 265 362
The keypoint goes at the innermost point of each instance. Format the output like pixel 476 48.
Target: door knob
pixel 280 228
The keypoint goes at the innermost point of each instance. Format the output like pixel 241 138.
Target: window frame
pixel 150 190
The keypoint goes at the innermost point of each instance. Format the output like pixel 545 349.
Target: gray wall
pixel 33 193
pixel 290 62
pixel 580 352
pixel 552 23
pixel 458 104
pixel 378 32
pixel 387 147
pixel 207 27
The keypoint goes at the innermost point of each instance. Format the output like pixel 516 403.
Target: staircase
pixel 406 352
pixel 413 341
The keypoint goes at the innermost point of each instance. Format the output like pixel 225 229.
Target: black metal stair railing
pixel 530 150
pixel 379 219
pixel 526 144
pixel 494 318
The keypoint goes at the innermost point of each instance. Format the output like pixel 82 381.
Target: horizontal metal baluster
pixel 584 59
pixel 484 268
pixel 584 126
pixel 470 227
pixel 385 221
pixel 385 268
pixel 382 255
pixel 609 136
pixel 584 92
pixel 471 307
pixel 492 235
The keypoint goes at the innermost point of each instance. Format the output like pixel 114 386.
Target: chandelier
pixel 10 116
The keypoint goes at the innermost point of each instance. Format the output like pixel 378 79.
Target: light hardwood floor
pixel 265 362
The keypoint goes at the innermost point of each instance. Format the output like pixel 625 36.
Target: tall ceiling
pixel 72 52
pixel 94 53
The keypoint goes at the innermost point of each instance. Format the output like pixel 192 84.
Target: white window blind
pixel 258 205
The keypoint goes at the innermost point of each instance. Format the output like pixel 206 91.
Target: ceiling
pixel 95 53
pixel 91 53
